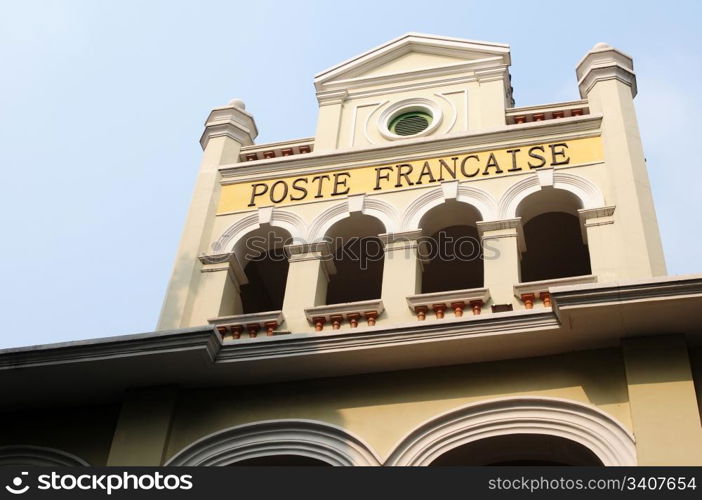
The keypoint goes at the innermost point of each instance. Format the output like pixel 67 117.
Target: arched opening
pixel 453 255
pixel 266 267
pixel 517 419
pixel 33 456
pixel 358 258
pixel 553 235
pixel 519 450
pixel 282 461
pixel 289 442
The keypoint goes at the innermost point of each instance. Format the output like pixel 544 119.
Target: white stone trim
pixel 537 287
pixel 608 439
pixel 504 136
pixel 467 296
pixel 471 51
pixel 229 121
pixel 344 308
pixel 289 221
pixel 604 62
pixel 30 455
pixel 406 106
pixel 247 319
pixel 587 192
pixel 477 198
pixel 309 438
pixel 371 206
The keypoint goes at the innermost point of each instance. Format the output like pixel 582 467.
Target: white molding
pixel 309 438
pixel 370 206
pixel 608 439
pixel 344 308
pixel 545 285
pixel 405 106
pixel 501 137
pixel 247 319
pixel 481 200
pixel 230 237
pixel 604 62
pixel 41 456
pixel 229 121
pixel 585 190
pixel 369 119
pixel 454 111
pixel 468 295
pixel 412 42
pixel 450 189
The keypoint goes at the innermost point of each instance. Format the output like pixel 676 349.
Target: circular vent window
pixel 410 123
pixel 416 117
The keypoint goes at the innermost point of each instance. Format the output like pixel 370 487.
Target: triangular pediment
pixel 411 53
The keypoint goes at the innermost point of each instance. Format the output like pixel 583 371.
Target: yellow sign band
pixel 396 176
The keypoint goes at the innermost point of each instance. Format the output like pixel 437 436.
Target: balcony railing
pixel 276 149
pixel 532 291
pixel 336 314
pixel 527 114
pixel 232 327
pixel 457 301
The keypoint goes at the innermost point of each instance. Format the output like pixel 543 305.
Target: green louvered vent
pixel 410 123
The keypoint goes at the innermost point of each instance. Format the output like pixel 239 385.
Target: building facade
pixel 437 277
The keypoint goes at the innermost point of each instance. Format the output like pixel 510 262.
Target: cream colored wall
pixel 195 240
pixel 639 251
pixel 470 106
pixel 664 403
pixel 628 248
pixel 84 431
pixel 382 408
pixel 501 275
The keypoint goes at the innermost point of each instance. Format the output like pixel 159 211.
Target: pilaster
pixel 502 241
pixel 606 78
pixel 663 402
pixel 311 265
pixel 227 129
pixel 402 273
pixel 143 427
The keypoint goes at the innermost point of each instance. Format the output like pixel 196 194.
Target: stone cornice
pixel 470 51
pixel 229 121
pixel 507 136
pixel 586 316
pixel 666 287
pixel 197 338
pixel 605 63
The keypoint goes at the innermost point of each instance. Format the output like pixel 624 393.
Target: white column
pixel 402 273
pixel 329 120
pixel 227 129
pixel 219 290
pixel 308 276
pixel 502 242
pixel 606 78
pixel 600 232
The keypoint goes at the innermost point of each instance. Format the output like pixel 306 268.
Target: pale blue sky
pixel 102 104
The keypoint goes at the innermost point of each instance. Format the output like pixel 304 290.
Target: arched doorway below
pixel 282 461
pixel 519 450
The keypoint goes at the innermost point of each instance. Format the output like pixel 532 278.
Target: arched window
pixel 29 455
pixel 553 235
pixel 265 263
pixel 282 461
pixel 278 442
pixel 454 259
pixel 358 258
pixel 520 450
pixel 520 431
